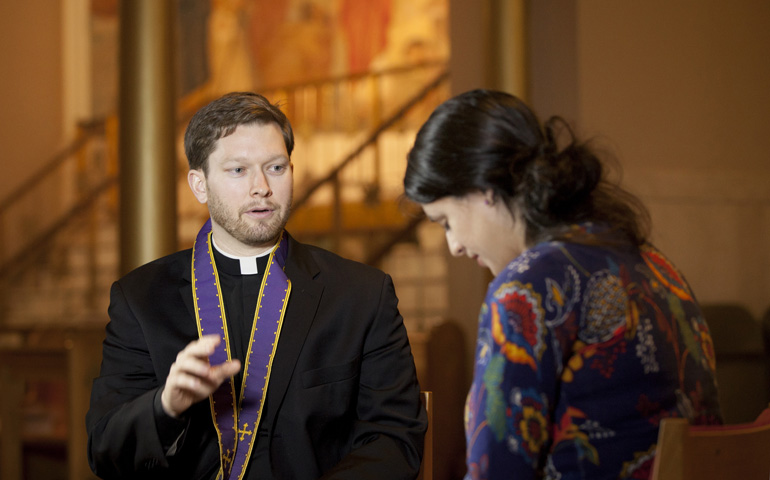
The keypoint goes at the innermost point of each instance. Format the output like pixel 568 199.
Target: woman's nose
pixel 455 248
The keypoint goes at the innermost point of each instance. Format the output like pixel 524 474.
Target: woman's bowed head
pixel 498 181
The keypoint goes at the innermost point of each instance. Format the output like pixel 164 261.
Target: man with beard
pixel 252 355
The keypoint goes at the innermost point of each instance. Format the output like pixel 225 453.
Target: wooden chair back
pixel 717 452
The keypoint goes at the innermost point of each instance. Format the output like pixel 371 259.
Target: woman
pixel 588 335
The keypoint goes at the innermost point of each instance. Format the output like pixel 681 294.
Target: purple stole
pixel 236 423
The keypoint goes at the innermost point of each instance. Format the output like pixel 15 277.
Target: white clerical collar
pixel 248 264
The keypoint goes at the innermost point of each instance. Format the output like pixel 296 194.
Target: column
pixel 147 132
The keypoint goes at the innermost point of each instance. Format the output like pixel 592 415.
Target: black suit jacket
pixel 343 400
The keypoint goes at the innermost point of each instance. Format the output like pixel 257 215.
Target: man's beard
pixel 262 233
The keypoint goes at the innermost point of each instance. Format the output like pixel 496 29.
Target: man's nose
pixel 260 186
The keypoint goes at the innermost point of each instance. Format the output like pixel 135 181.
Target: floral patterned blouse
pixel 581 351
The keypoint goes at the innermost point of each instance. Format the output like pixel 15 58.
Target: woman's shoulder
pixel 535 258
pixel 532 272
pixel 556 259
pixel 546 257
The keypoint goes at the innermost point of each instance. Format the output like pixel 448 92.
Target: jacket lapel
pixel 186 289
pixel 303 303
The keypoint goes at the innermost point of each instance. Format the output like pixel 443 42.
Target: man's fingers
pixel 196 386
pixel 187 371
pixel 203 347
pixel 191 377
pixel 224 371
pixel 186 364
pixel 194 358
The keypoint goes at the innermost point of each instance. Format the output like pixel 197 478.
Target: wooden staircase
pixel 56 269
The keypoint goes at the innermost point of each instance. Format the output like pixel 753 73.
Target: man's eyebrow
pixel 242 158
pixel 278 156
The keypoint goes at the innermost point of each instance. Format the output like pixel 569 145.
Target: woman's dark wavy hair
pixel 487 140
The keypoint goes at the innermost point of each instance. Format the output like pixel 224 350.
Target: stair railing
pixel 65 186
pixel 334 176
pixel 33 216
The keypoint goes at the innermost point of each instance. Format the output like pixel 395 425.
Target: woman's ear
pixel 489 197
pixel 197 181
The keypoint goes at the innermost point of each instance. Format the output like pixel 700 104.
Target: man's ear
pixel 197 181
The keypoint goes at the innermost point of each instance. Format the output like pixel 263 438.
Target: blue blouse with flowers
pixel 582 350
